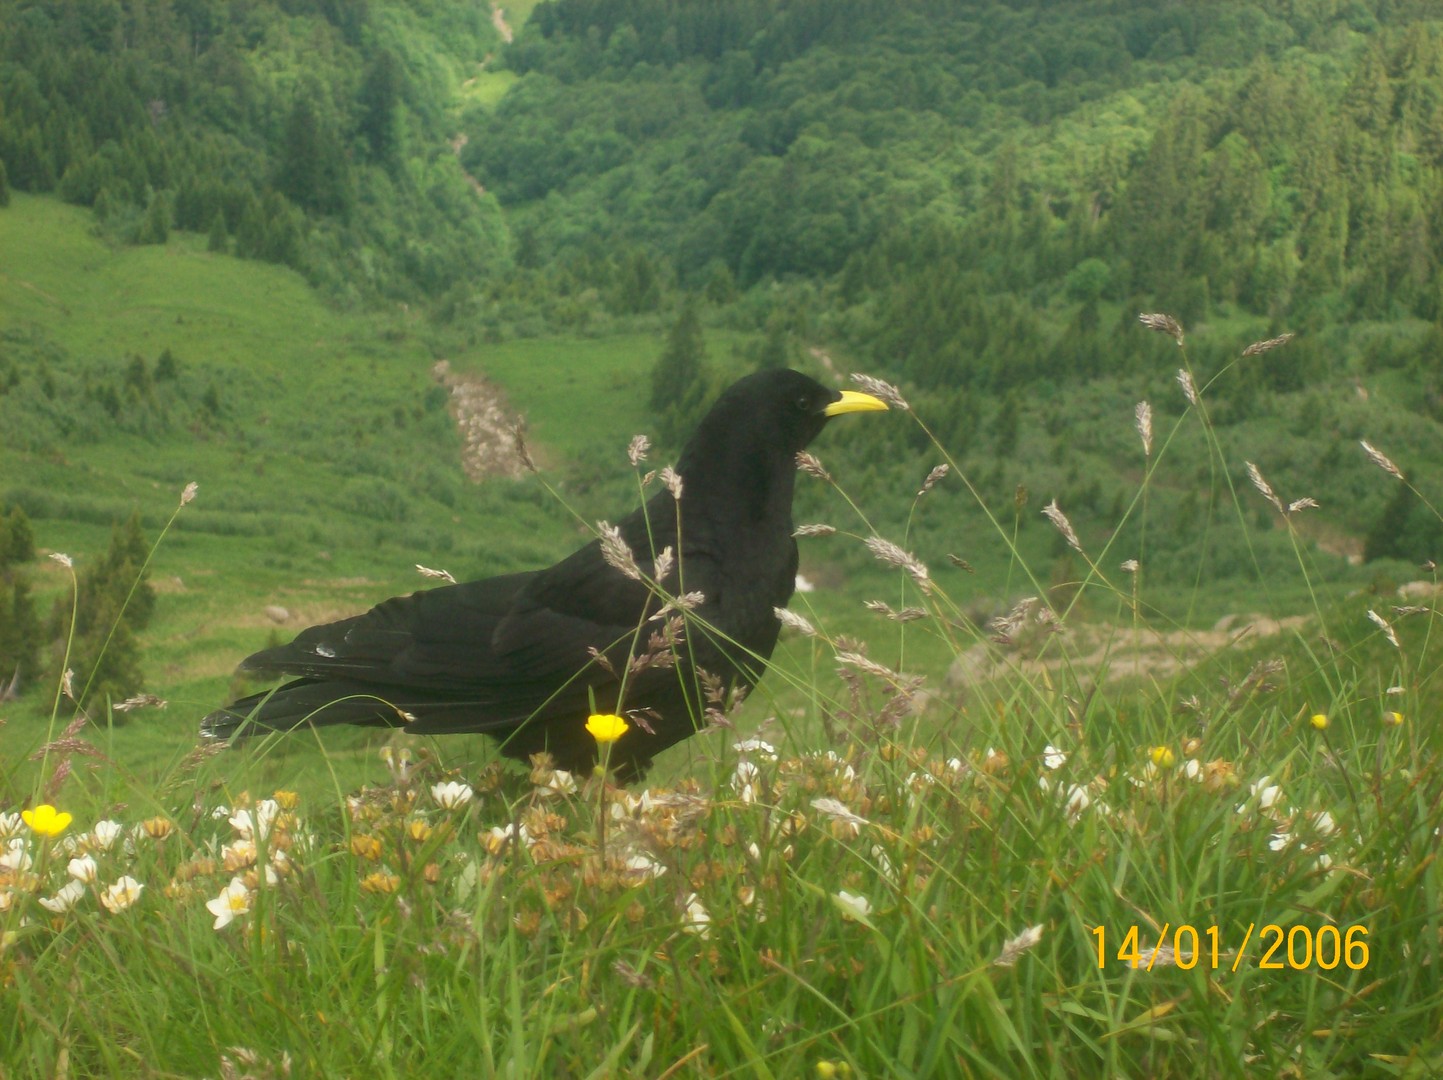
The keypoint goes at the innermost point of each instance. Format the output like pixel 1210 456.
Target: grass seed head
pixel 1163 324
pixel 1380 459
pixel 886 391
pixel 1054 514
pixel 616 552
pixel 1142 413
pixel 1257 348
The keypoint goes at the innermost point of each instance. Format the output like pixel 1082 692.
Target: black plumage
pixel 516 656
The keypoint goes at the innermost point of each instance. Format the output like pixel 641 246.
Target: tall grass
pixel 1058 868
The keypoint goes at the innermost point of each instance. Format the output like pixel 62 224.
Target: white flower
pixel 1053 758
pixel 1266 792
pixel 10 825
pixel 884 864
pixel 1325 861
pixel 853 906
pixel 1077 801
pixel 65 898
pixel 560 782
pixel 234 899
pixel 17 856
pixel 1280 840
pixel 757 747
pixel 241 853
pixel 106 833
pixel 83 869
pixel 744 781
pixel 121 895
pixel 452 795
pixel 256 825
pixel 1192 769
pixel 644 866
pixel 1324 824
pixel 696 919
pixel 220 812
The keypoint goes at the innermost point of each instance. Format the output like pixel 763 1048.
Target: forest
pixel 974 199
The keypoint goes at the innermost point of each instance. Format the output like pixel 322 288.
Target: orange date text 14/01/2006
pixel 1274 947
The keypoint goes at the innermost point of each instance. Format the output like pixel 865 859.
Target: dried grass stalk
pixel 1163 324
pixel 886 391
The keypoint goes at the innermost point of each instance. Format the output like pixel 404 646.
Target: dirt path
pixel 498 20
pixel 1121 652
pixel 485 422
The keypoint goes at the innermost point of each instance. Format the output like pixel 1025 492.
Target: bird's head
pixel 746 445
pixel 779 409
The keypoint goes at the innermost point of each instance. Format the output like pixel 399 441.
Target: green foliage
pixel 679 381
pixel 19 624
pixel 97 628
pixel 282 117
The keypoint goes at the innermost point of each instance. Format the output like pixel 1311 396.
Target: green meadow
pixel 933 843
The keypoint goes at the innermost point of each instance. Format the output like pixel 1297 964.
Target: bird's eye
pixel 804 403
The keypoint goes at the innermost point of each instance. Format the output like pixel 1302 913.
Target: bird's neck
pixel 748 487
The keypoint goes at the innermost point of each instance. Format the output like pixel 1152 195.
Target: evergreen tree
pixel 155 226
pixel 380 98
pixel 19 625
pixel 678 380
pixel 114 601
pixel 218 240
pixel 312 169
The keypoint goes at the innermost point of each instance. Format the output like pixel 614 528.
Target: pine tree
pixel 114 601
pixel 379 98
pixel 155 226
pixel 218 240
pixel 19 625
pixel 678 380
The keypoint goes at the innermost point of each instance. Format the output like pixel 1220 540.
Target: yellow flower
pixel 1394 719
pixel 1162 756
pixel 418 830
pixel 46 820
pixel 606 728
pixel 380 882
pixel 366 847
pixel 1319 721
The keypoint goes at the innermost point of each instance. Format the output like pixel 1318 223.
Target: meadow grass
pixel 1065 867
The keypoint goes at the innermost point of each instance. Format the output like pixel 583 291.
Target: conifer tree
pixel 678 380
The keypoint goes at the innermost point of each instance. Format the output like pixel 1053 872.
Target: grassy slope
pixel 281 519
pixel 309 402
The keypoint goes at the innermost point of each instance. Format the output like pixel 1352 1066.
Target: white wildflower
pixel 853 906
pixel 84 869
pixel 234 899
pixel 123 894
pixel 106 833
pixel 452 795
pixel 695 917
pixel 65 898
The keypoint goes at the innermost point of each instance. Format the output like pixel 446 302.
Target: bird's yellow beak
pixel 855 401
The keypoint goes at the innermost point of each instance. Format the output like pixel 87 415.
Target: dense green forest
pixel 974 199
pixel 313 134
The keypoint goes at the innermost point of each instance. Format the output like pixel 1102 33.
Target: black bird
pixel 528 657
